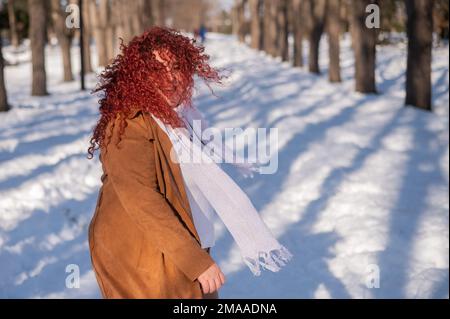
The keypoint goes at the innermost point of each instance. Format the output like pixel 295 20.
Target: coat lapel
pixel 169 176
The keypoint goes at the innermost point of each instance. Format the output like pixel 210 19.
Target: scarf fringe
pixel 273 260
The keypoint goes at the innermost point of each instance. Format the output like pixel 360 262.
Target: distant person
pixel 202 33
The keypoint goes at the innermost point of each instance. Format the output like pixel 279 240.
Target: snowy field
pixel 362 183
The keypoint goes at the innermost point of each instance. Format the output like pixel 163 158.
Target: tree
pixel 270 27
pixel 298 31
pixel 364 46
pixel 3 97
pixel 392 18
pixel 333 30
pixel 124 13
pixel 190 15
pixel 37 32
pixel 127 19
pixel 418 74
pixel 239 19
pixel 159 7
pixel 87 35
pixel 102 27
pixel 283 29
pixel 13 24
pixel 315 10
pixel 147 19
pixel 64 36
pixel 441 19
pixel 140 15
pixel 256 24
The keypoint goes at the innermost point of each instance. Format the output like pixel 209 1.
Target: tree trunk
pixel 110 33
pixel 126 15
pixel 108 28
pixel 135 17
pixel 270 27
pixel 316 11
pixel 146 14
pixel 256 24
pixel 37 41
pixel 3 97
pixel 13 24
pixel 283 29
pixel 87 35
pixel 364 46
pixel 98 32
pixel 234 20
pixel 64 38
pixel 138 16
pixel 298 30
pixel 334 29
pixel 241 20
pixel 418 73
pixel 160 12
pixel 117 22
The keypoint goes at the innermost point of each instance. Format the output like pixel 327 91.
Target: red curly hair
pixel 135 78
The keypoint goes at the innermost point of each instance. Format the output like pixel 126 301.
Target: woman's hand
pixel 212 279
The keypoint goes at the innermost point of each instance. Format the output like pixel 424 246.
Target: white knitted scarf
pixel 210 189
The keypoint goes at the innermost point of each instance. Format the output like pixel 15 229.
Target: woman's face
pixel 171 82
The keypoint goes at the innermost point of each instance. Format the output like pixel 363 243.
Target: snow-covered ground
pixel 362 184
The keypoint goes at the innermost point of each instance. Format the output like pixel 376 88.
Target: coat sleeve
pixel 131 168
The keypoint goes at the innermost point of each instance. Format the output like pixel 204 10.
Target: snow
pixel 361 188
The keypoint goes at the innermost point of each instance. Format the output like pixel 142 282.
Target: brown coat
pixel 142 238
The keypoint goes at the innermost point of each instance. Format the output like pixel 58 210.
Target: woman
pixel 151 233
pixel 143 242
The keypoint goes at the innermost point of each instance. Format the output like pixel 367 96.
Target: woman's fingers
pixel 205 286
pixel 212 286
pixel 218 282
pixel 222 278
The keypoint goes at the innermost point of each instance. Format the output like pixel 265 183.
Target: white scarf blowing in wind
pixel 210 189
